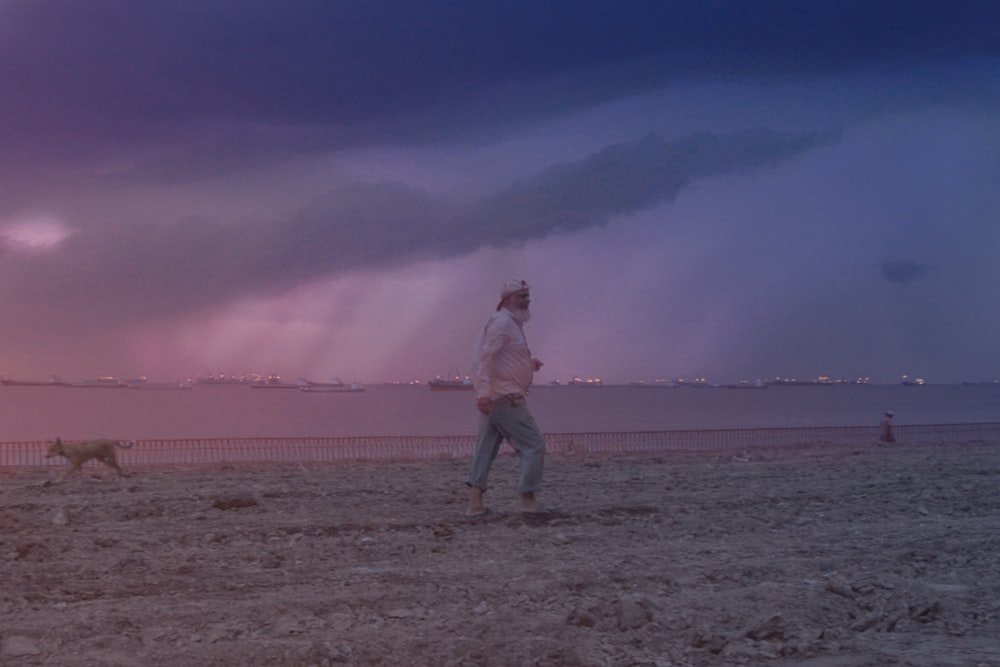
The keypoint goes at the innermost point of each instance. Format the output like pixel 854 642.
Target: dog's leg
pixel 109 459
pixel 74 467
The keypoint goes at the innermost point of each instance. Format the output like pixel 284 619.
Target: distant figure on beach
pixel 885 433
pixel 502 369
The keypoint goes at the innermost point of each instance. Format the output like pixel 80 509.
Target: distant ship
pixel 330 387
pixel 820 381
pixel 221 379
pixel 454 382
pixel 103 382
pixel 588 383
pixel 146 385
pixel 272 382
pixel 654 384
pixel 335 383
pixel 451 384
pixel 746 384
pixel 53 381
pixel 695 383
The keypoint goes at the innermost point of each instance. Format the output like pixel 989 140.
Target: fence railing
pixel 411 448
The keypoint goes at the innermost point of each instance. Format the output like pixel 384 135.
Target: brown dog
pixel 78 453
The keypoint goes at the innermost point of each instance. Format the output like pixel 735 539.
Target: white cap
pixel 512 286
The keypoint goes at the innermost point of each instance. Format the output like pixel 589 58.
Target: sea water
pixel 239 411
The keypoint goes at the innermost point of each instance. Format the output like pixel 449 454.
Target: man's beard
pixel 521 315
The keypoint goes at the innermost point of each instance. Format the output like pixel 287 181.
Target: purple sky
pixel 323 188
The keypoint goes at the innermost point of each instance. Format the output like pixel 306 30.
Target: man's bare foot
pixel 475 506
pixel 530 505
pixel 528 502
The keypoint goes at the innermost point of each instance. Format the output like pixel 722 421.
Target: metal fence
pixel 405 448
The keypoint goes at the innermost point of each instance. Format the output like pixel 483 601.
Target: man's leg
pixel 512 417
pixel 483 454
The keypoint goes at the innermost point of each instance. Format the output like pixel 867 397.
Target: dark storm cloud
pixel 903 272
pixel 107 74
pixel 629 177
pixel 136 272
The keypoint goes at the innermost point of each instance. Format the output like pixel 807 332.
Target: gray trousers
pixel 509 419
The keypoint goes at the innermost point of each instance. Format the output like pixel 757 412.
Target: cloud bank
pixel 125 273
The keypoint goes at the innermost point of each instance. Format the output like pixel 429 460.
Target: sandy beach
pixel 825 556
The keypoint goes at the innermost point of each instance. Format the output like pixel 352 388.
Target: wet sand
pixel 832 556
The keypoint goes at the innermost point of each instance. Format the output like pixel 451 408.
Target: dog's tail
pixel 126 445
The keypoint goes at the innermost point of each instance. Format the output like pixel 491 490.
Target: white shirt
pixel 501 360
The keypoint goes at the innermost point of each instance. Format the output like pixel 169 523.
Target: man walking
pixel 502 369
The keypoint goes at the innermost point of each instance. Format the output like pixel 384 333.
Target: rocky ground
pixel 829 556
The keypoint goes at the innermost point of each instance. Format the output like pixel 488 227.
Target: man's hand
pixel 536 364
pixel 484 405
